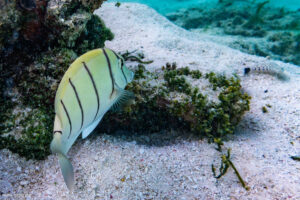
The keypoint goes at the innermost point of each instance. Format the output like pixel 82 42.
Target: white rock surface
pixel 176 166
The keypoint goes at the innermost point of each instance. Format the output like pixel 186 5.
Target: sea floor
pixel 176 165
pixel 253 27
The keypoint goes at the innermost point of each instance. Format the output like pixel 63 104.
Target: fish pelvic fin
pixel 124 98
pixel 67 170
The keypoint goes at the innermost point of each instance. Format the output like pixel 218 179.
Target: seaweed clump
pixel 38 41
pixel 170 99
pixel 225 164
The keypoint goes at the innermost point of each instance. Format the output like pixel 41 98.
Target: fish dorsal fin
pixel 124 96
pixel 87 131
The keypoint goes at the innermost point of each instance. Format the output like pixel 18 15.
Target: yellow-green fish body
pixel 91 86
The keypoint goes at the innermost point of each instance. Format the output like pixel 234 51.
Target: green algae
pixel 257 18
pixel 219 143
pixel 174 103
pixel 224 166
pixel 264 109
pixel 297 158
pixel 35 136
pixel 6 122
pixel 128 56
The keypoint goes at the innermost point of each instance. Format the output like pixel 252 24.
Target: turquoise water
pixel 263 28
pixel 166 6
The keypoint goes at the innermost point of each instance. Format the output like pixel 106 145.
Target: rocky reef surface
pixel 38 41
pixel 254 27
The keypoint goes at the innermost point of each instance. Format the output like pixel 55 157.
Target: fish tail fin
pixel 56 147
pixel 67 170
pixel 283 76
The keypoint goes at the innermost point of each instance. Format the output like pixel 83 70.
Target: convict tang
pixel 93 84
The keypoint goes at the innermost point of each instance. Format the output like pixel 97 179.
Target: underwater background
pixel 167 6
pixel 265 28
pixel 200 108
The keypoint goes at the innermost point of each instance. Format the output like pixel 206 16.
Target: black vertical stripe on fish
pixel 57 132
pixel 122 65
pixel 78 101
pixel 116 54
pixel 68 116
pixel 95 88
pixel 124 74
pixel 110 72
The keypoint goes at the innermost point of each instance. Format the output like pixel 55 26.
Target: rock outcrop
pixel 38 41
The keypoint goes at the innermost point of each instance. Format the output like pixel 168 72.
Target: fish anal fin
pixel 87 131
pixel 124 98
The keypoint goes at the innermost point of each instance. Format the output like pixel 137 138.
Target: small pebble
pixel 142 150
pixel 24 182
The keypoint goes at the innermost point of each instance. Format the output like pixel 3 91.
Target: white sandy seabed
pixel 126 167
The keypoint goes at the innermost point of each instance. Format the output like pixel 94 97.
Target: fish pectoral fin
pixel 87 131
pixel 125 97
pixel 67 170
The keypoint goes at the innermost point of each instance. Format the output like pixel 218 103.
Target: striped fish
pixel 273 71
pixel 92 85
